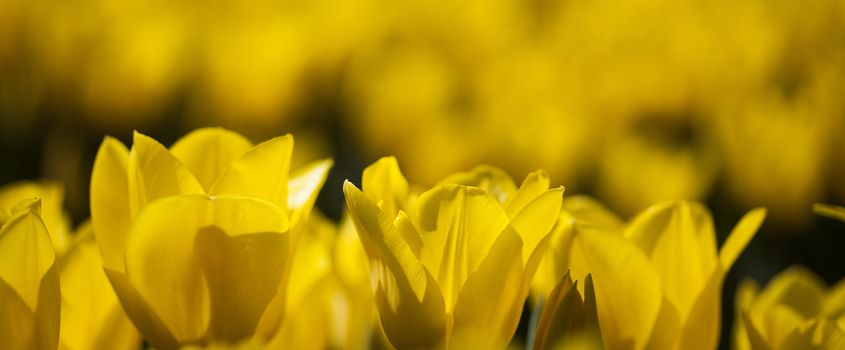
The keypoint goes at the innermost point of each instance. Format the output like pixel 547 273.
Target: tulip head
pixel 197 240
pixel 451 262
pixel 796 310
pixel 658 279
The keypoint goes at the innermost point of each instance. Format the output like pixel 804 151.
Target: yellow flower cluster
pixel 213 243
pixel 616 95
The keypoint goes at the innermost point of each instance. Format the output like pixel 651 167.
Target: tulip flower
pixel 29 281
pixel 454 262
pixel 51 195
pixel 91 316
pixel 569 320
pixel 658 280
pixel 796 310
pixel 197 240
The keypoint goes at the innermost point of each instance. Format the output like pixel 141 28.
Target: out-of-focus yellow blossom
pixel 91 316
pixel 796 310
pixel 569 320
pixel 51 195
pixel 30 300
pixel 658 280
pixel 643 167
pixel 324 310
pixel 197 240
pixel 831 211
pixel 453 262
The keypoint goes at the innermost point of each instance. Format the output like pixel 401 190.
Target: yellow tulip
pixel 51 195
pixel 91 316
pixel 454 262
pixel 197 240
pixel 29 281
pixel 658 280
pixel 325 309
pixel 796 310
pixel 569 320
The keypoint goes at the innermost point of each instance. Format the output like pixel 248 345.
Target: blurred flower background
pixel 738 104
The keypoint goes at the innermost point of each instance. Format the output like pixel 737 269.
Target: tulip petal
pixel 679 239
pixel 567 321
pixel 534 184
pixel 616 264
pixel 110 213
pixel 458 225
pixel 384 183
pixel 51 197
pixel 490 302
pixel 140 312
pixel 590 210
pixel 17 319
pixel 745 294
pixel 755 338
pixel 262 172
pixel 740 236
pixel 155 173
pixel 28 270
pixel 410 305
pixel 27 253
pixel 162 263
pixel 207 152
pixel 702 326
pixel 303 188
pixel 536 219
pixel 91 313
pixel 243 273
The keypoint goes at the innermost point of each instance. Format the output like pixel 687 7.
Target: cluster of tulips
pixel 214 243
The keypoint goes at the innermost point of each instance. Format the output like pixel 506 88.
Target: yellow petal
pixel 834 303
pixel 534 184
pixel 91 316
pixel 17 319
pixel 458 225
pixel 679 239
pixel 29 279
pixel 739 238
pixel 384 183
pixel 411 307
pixel 140 312
pixel 831 211
pixel 163 264
pixel 155 173
pixel 755 338
pixel 616 264
pixel 536 219
pixel 701 328
pixel 207 152
pixel 243 272
pixel 491 300
pixel 303 188
pixel 110 213
pixel 262 172
pixel 745 294
pixel 495 181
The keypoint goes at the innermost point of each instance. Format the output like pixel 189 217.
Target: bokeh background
pixel 735 103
